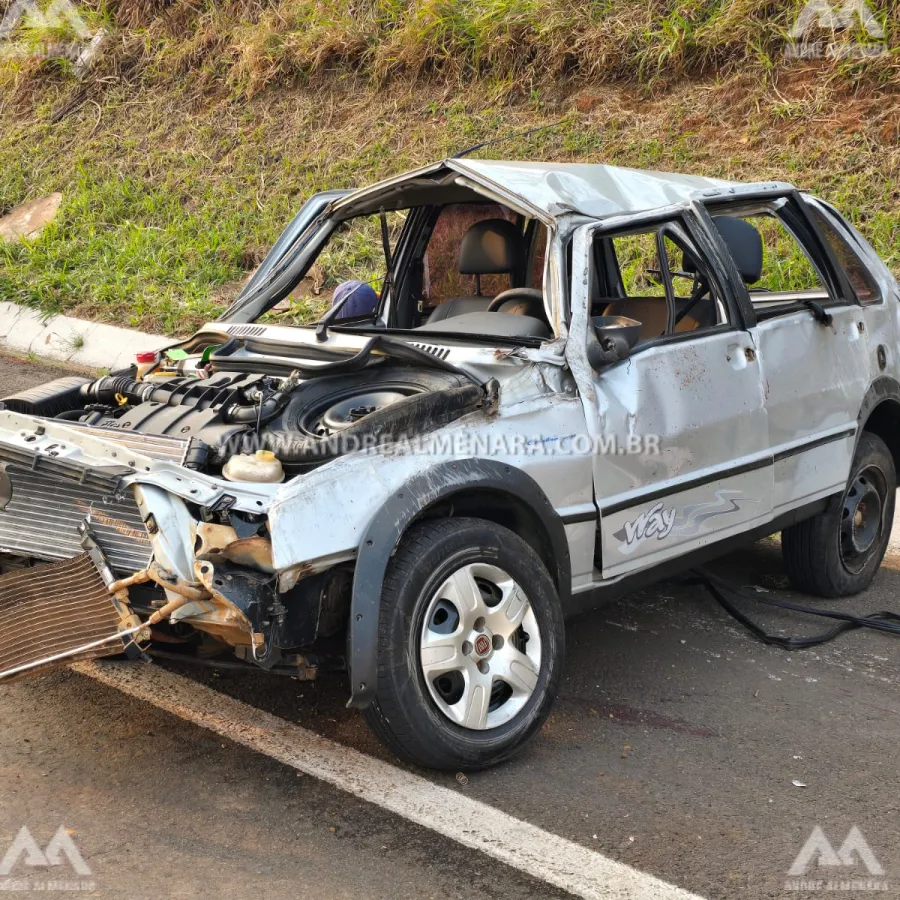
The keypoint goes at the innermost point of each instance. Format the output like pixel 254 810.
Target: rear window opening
pixel 778 271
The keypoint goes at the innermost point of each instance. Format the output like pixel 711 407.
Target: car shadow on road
pixel 755 568
pixel 620 629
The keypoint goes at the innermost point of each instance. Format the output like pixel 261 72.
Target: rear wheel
pixel 838 552
pixel 471 644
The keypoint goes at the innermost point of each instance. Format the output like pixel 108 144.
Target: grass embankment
pixel 202 128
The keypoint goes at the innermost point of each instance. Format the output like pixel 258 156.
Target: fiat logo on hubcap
pixel 482 645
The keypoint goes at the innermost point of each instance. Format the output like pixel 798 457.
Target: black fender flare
pixel 881 389
pixel 390 522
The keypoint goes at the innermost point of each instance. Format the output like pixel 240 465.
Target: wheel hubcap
pixel 861 518
pixel 480 647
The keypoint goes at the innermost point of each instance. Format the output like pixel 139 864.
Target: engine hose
pixel 70 415
pixel 109 389
pixel 104 390
pixel 240 414
pixel 414 415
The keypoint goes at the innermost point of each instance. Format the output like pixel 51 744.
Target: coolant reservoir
pixel 146 362
pixel 262 466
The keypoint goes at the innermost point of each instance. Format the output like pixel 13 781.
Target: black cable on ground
pixel 885 621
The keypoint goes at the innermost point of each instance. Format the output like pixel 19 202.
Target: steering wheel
pixel 531 297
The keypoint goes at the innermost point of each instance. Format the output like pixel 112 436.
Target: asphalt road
pixel 679 745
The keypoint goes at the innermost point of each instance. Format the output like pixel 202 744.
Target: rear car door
pixel 813 351
pixel 681 458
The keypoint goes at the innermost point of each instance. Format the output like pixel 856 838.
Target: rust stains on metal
pixel 77 616
pixel 97 515
pixel 220 616
pixel 214 541
pixel 253 552
pixel 141 577
pixel 289 578
pixel 168 582
pixel 211 538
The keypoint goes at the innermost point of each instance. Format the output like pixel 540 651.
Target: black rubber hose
pixel 71 415
pixel 250 415
pixel 885 621
pixel 104 390
pixel 413 416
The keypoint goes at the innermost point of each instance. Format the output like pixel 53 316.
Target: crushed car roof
pixel 555 190
pixel 593 190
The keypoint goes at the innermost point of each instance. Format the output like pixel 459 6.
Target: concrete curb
pixel 74 341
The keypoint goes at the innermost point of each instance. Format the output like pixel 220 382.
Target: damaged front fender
pixel 394 517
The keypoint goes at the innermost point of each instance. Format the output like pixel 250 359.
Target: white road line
pixel 518 844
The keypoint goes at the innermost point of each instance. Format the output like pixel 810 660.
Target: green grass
pixel 163 215
pixel 207 124
pixel 127 249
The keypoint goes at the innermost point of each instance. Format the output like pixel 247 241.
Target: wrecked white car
pixel 571 380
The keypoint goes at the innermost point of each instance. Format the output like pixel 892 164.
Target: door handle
pixel 740 356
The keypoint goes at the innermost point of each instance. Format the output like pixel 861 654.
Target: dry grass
pixel 250 45
pixel 518 43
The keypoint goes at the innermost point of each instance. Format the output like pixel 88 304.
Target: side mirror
pixel 611 338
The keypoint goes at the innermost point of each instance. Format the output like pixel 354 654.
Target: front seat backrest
pixel 491 247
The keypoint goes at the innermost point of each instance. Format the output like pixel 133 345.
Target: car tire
pixel 838 552
pixel 316 402
pixel 470 646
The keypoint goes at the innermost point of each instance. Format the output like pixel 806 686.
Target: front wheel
pixel 471 644
pixel 838 552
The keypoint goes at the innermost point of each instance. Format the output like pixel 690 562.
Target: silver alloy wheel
pixel 480 647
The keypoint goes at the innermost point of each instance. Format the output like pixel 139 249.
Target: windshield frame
pixel 298 253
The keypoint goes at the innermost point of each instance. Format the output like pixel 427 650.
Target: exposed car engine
pixel 304 421
pixel 237 412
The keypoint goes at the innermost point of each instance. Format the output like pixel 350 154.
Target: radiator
pixel 47 505
pixel 57 612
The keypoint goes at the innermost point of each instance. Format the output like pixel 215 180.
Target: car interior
pixel 473 270
pixel 777 270
pixel 492 247
pixel 764 252
pixel 653 290
pixel 469 267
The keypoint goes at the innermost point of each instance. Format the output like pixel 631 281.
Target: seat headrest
pixel 745 244
pixel 491 247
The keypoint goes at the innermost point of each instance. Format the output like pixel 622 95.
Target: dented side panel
pixel 319 519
